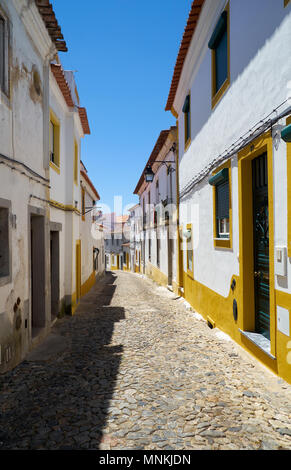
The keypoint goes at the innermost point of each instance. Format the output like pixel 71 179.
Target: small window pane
pixel 51 141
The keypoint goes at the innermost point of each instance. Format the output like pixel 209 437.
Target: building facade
pixel 41 129
pixel 233 111
pixel 158 238
pixel 27 47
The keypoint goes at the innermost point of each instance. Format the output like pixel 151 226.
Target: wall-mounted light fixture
pixel 149 174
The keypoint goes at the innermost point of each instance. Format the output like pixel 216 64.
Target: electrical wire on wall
pixel 14 165
pixel 258 129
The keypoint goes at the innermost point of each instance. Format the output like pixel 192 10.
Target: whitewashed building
pixel 27 46
pixel 157 200
pixel 230 94
pixel 42 125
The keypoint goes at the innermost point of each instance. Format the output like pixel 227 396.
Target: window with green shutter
pixel 187 122
pixel 222 207
pixel 219 45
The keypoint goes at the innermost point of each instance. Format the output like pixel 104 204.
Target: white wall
pixel 260 68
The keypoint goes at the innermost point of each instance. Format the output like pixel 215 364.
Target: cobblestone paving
pixel 138 370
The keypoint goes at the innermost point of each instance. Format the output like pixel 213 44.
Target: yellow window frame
pixel 222 242
pixel 56 147
pixel 190 271
pixel 217 94
pixel 288 145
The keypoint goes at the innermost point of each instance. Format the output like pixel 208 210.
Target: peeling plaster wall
pixel 21 139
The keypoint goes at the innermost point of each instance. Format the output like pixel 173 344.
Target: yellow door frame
pixel 246 255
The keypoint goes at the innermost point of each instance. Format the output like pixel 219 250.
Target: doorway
pixel 55 273
pixel 37 272
pixel 261 245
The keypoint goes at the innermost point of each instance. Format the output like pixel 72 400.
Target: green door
pixel 261 245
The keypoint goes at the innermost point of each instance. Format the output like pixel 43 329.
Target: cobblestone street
pixel 135 369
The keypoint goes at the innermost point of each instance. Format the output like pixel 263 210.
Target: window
pixel 189 250
pixel 54 142
pixel 187 121
pixel 157 192
pixel 222 209
pixel 221 182
pixel 76 161
pixel 219 45
pixel 4 69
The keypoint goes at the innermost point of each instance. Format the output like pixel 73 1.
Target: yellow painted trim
pixel 219 309
pixel 288 146
pixel 64 207
pixel 189 271
pixel 55 167
pixel 174 112
pixel 156 275
pixel 87 285
pixel 256 148
pixel 222 242
pixel 56 122
pixel 217 95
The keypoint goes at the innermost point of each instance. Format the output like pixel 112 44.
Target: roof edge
pixel 189 31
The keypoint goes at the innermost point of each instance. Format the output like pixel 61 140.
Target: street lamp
pixel 149 174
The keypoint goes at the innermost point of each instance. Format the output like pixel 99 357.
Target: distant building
pixel 116 234
pixel 156 237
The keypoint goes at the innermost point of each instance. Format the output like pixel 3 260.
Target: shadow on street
pixel 62 402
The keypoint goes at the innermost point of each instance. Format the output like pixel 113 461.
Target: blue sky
pixel 123 52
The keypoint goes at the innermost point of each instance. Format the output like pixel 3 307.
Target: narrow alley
pixel 134 368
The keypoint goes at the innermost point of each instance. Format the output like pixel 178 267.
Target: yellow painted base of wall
pixel 88 284
pixel 156 275
pixel 219 309
pixel 85 288
pixel 176 288
pixel 126 269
